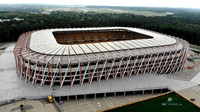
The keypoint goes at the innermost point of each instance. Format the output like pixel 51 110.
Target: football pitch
pixel 171 102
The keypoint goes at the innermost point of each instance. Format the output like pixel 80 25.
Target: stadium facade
pixel 83 55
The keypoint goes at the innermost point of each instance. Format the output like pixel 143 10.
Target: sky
pixel 145 3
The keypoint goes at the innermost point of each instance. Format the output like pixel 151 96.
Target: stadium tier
pixel 83 55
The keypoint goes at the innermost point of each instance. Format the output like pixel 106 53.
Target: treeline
pixel 184 25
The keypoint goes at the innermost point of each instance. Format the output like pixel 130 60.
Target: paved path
pixel 92 105
pixel 29 106
pixel 192 92
pixel 196 79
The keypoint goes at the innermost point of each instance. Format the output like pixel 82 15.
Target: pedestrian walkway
pixel 3 46
pixel 192 92
pixel 29 106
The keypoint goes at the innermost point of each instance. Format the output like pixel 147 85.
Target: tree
pixel 21 107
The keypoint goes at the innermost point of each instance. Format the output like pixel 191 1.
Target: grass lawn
pixel 168 103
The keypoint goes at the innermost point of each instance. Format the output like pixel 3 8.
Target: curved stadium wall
pixel 83 55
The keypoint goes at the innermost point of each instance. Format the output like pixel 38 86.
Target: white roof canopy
pixel 43 41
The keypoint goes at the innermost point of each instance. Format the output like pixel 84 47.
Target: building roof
pixel 44 42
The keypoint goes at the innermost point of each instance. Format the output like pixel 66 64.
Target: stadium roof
pixel 44 42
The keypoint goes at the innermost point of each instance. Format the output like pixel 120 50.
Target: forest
pixel 184 24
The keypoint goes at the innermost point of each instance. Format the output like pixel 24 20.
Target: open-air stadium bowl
pixel 83 55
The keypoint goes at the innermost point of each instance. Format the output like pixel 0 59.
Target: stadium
pixel 83 55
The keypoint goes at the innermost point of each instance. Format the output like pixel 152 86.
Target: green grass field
pixel 168 103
